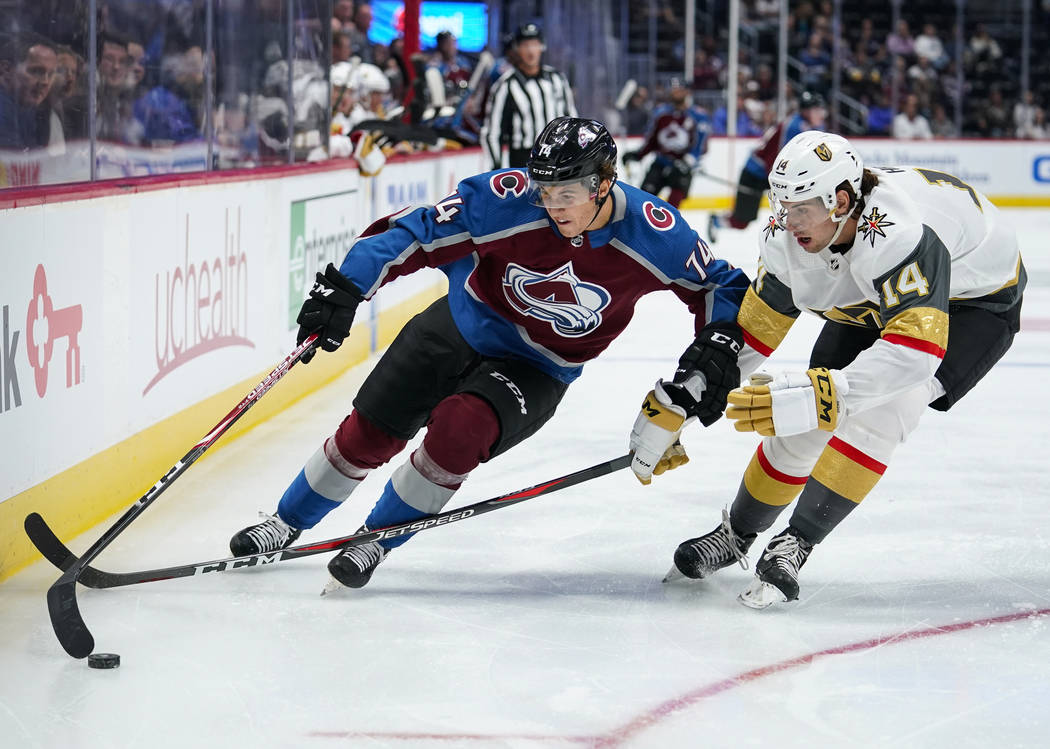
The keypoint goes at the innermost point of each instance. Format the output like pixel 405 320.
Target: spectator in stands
pixel 27 71
pixel 360 45
pixel 940 125
pixel 983 53
pixel 1024 113
pixel 900 42
pixel 169 112
pixel 909 124
pixel 340 47
pixel 342 16
pixel 817 61
pixel 745 125
pixel 707 71
pixel 929 45
pixel 112 117
pixel 993 118
pixel 68 96
pixel 880 115
pixel 454 67
pixel 1036 129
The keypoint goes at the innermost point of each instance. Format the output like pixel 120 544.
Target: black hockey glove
pixel 713 355
pixel 682 167
pixel 630 156
pixel 328 311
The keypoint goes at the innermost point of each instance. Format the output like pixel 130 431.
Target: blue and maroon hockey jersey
pixel 518 288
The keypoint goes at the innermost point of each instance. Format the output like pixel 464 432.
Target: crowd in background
pixel 151 86
pixel 912 64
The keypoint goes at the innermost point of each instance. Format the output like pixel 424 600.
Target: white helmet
pixel 812 165
pixel 370 78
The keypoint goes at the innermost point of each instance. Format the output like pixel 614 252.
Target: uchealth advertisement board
pixel 198 297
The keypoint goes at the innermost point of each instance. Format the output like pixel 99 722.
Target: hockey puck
pixel 104 660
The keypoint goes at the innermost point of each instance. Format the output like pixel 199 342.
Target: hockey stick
pixel 728 183
pixel 56 552
pixel 66 619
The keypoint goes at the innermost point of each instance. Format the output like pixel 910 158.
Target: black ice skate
pixel 269 535
pixel 354 565
pixel 698 557
pixel 776 574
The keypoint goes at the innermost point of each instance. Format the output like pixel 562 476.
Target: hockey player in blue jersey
pixel 678 139
pixel 754 177
pixel 545 266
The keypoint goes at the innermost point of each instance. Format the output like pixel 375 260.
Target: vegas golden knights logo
pixel 823 152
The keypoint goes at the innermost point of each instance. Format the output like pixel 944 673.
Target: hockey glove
pixel 790 403
pixel 654 437
pixel 328 311
pixel 707 371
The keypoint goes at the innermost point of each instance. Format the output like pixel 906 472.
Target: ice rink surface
pixel 924 619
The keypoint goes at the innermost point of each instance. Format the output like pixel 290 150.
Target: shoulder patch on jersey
pixel 657 217
pixel 772 227
pixel 874 224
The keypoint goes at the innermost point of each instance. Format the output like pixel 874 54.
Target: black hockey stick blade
pixel 66 620
pixel 69 626
pixel 56 552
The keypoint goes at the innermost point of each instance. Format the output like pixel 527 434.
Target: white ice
pixel 924 619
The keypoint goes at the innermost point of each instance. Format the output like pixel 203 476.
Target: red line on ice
pixel 622 734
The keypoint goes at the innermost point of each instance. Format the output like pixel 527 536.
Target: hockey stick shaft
pixel 727 182
pixel 54 550
pixel 66 619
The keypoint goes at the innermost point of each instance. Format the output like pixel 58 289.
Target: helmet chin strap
pixel 598 205
pixel 841 221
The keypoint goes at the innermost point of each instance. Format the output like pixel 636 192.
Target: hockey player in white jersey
pixel 920 280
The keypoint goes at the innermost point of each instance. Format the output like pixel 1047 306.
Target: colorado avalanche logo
pixel 585 136
pixel 571 306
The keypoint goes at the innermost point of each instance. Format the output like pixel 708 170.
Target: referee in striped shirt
pixel 524 100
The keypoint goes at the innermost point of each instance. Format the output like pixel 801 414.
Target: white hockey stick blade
pixel 626 93
pixel 760 595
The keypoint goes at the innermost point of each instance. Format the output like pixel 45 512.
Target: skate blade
pixel 760 595
pixel 332 586
pixel 674 574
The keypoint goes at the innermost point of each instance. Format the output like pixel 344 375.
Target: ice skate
pixel 776 573
pixel 714 223
pixel 698 557
pixel 270 535
pixel 353 566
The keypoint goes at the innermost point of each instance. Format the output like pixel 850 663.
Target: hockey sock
pixel 413 492
pixel 323 484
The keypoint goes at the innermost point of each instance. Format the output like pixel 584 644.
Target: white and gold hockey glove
pixel 790 403
pixel 654 437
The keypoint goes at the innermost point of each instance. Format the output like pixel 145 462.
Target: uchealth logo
pixel 572 307
pixel 200 307
pixel 46 325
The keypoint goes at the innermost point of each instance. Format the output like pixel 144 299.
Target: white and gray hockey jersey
pixel 926 241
